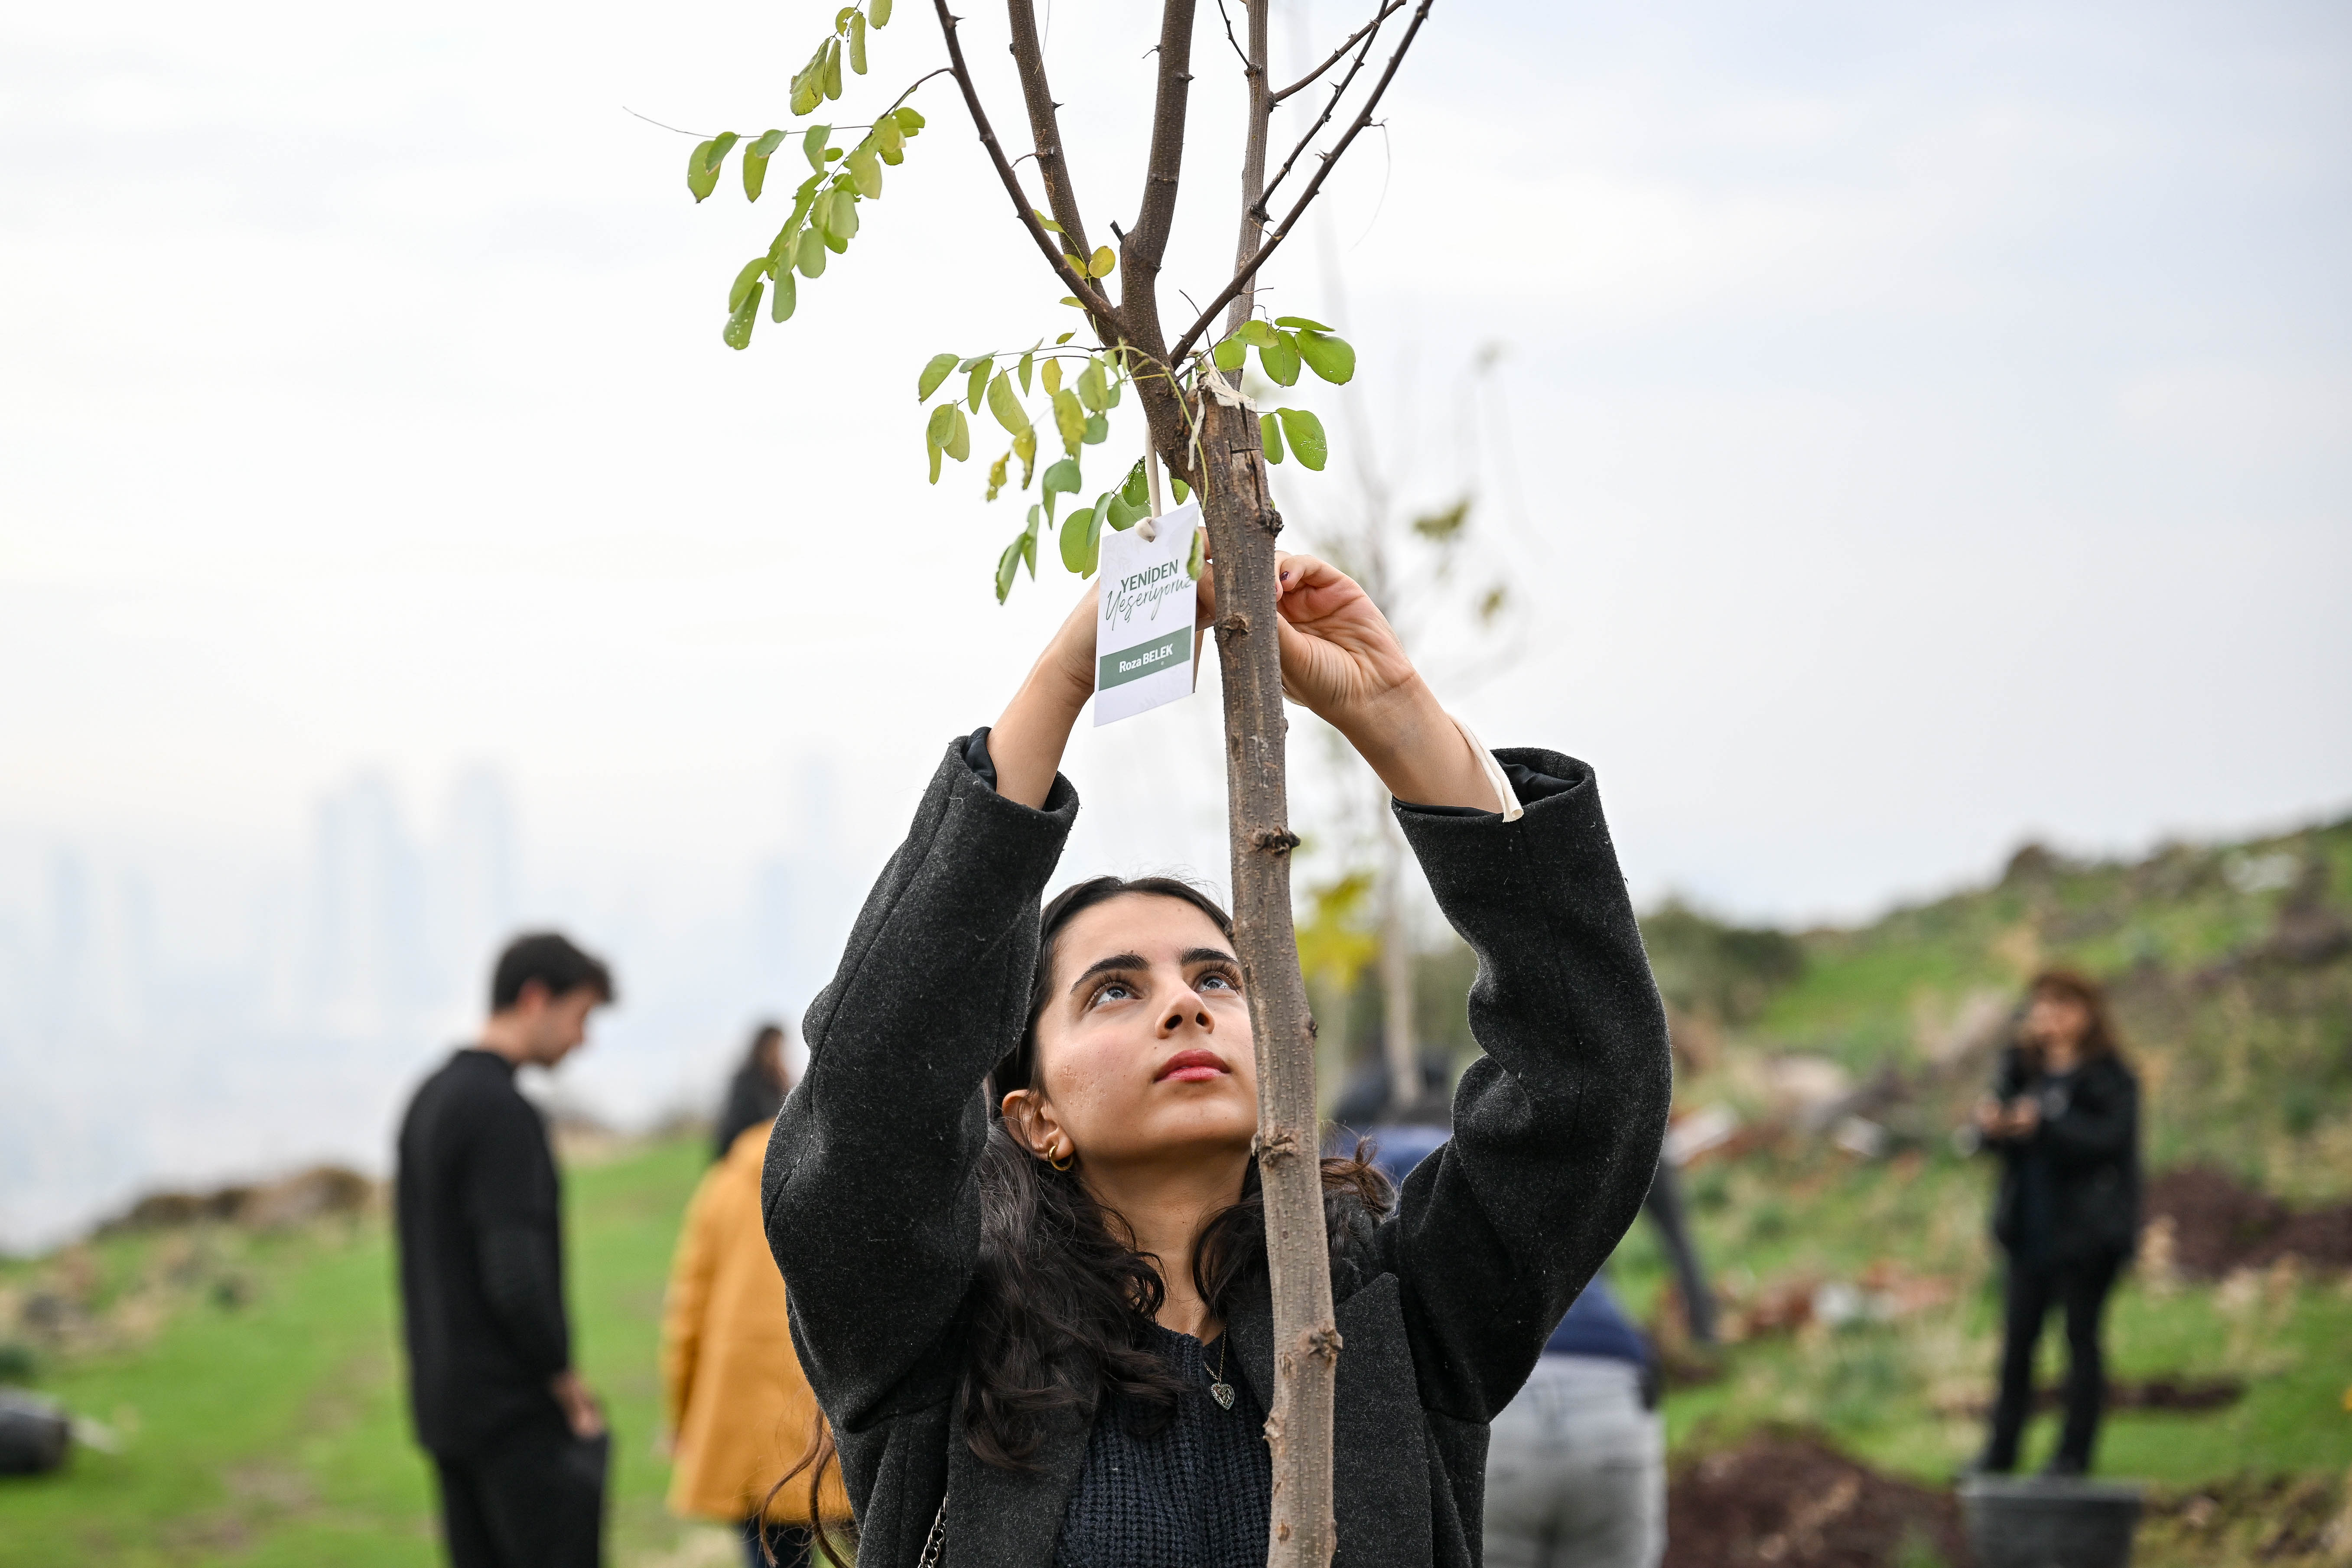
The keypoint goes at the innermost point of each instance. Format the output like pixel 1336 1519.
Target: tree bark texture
pixel 1242 522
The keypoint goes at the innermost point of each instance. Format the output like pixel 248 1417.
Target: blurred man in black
pixel 519 1440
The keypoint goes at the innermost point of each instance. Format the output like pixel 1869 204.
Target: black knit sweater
pixel 1190 1492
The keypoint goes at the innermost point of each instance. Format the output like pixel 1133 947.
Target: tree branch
pixel 1045 126
pixel 1387 10
pixel 1105 317
pixel 1261 112
pixel 1321 120
pixel 1330 160
pixel 1143 248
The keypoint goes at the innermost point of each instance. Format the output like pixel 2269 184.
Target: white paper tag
pixel 1143 619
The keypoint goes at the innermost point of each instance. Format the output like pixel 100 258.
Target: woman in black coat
pixel 2063 1117
pixel 1014 1199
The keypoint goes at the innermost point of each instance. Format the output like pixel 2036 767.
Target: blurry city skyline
pixel 169 1015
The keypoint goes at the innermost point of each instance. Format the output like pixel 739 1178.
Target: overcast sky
pixel 1918 428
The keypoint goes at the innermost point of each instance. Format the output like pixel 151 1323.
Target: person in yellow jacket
pixel 739 1413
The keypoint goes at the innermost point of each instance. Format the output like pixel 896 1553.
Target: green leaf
pixel 1029 550
pixel 1305 434
pixel 1111 391
pixel 1007 565
pixel 841 19
pixel 1082 542
pixel 1183 491
pixel 976 386
pixel 1269 432
pixel 701 174
pixel 1255 334
pixel 1097 429
pixel 1279 360
pixel 787 295
pixel 1123 512
pixel 1052 376
pixel 1005 404
pixel 808 91
pixel 738 335
pixel 1300 321
pixel 811 257
pixel 879 12
pixel 1328 357
pixel 812 145
pixel 1061 480
pixel 832 67
pixel 1069 420
pixel 1136 490
pixel 1101 264
pixel 753 271
pixel 941 425
pixel 908 120
pixel 1027 360
pixel 1108 513
pixel 890 140
pixel 958 441
pixel 841 222
pixel 755 163
pixel 867 171
pixel 1024 447
pixel 1049 226
pixel 1090 388
pixel 1198 556
pixel 996 475
pixel 1066 337
pixel 933 447
pixel 1229 355
pixel 857 43
pixel 934 372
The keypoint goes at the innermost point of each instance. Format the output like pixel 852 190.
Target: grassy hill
pixel 253 1380
pixel 251 1375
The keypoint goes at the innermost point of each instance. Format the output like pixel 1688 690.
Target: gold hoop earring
pixel 1067 1160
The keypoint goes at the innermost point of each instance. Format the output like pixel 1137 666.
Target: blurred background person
pixel 757 1090
pixel 1576 1464
pixel 515 1437
pixel 739 1410
pixel 2063 1117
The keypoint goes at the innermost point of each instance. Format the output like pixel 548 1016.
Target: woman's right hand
pixel 1027 741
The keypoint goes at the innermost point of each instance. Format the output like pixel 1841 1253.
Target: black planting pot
pixel 2049 1522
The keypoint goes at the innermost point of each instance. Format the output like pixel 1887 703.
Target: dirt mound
pixel 2216 1226
pixel 1792 1501
pixel 290 1200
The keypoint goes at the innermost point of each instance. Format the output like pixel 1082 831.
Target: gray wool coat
pixel 873 1212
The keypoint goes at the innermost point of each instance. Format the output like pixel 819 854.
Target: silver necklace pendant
pixel 1223 1392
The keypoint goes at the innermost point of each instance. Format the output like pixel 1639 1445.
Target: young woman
pixel 2063 1117
pixel 1014 1195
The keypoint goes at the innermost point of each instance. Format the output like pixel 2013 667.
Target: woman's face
pixel 2058 1023
pixel 1144 1049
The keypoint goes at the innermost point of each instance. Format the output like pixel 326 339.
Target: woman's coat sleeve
pixel 1557 1127
pixel 868 1197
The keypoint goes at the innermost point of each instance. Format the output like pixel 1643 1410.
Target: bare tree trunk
pixel 1242 522
pixel 1396 975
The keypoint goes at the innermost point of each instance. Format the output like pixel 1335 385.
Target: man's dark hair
pixel 551 959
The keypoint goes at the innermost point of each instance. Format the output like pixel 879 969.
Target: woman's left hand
pixel 1341 660
pixel 1339 657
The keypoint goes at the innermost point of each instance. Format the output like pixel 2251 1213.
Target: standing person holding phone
pixel 2063 1117
pixel 518 1439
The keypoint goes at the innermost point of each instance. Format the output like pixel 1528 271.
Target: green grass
pixel 274 1432
pixel 1887 1392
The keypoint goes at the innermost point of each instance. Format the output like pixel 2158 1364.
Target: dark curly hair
pixel 1062 1303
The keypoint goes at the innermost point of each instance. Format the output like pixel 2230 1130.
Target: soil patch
pixel 1792 1501
pixel 2216 1225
